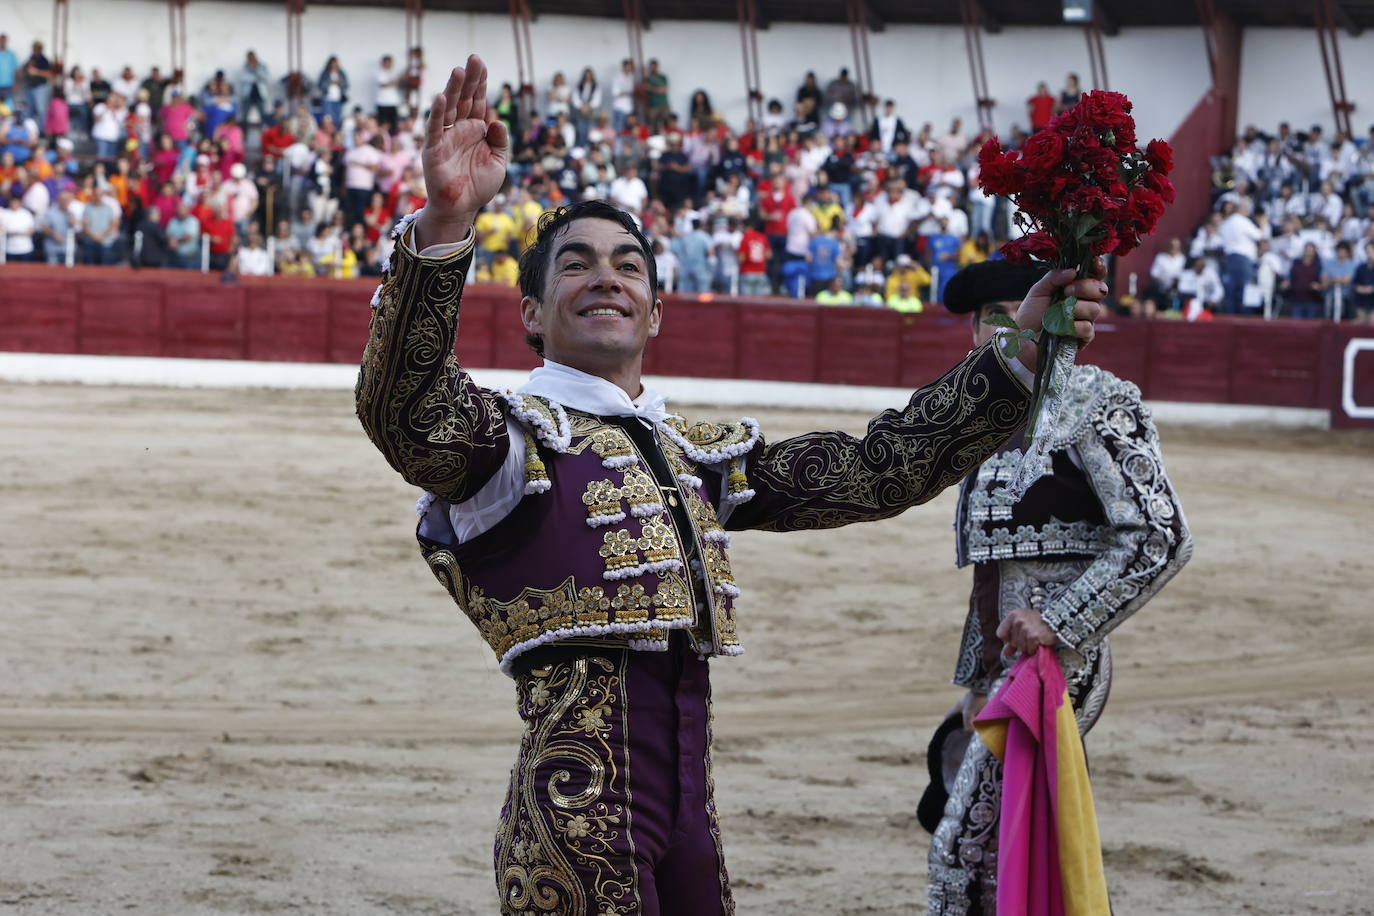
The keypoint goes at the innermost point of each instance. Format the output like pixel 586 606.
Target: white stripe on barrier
pixel 712 392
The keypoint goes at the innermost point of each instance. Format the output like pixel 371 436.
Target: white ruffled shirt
pixel 571 388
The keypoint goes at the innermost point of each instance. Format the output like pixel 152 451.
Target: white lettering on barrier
pixel 1353 348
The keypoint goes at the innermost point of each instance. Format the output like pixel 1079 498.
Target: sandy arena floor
pixel 229 685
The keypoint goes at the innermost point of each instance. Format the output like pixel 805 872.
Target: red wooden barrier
pixel 176 313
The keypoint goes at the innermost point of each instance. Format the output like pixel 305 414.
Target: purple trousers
pixel 611 808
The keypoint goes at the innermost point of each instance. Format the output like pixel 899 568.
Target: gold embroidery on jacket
pixel 564 844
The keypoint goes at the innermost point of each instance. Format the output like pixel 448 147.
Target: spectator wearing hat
pixel 836 123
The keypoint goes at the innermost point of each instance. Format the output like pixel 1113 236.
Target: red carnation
pixel 1105 110
pixel 997 169
pixel 1160 155
pixel 1037 246
pixel 1043 152
pixel 1162 186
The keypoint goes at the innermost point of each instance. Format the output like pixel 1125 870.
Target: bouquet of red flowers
pixel 1082 188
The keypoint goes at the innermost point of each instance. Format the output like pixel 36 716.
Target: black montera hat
pixel 989 281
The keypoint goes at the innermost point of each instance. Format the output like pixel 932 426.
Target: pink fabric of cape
pixel 1049 860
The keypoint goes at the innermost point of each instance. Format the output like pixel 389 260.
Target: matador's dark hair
pixel 534 263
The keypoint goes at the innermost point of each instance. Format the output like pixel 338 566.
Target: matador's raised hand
pixel 464 157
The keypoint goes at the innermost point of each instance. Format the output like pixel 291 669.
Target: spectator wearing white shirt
pixel 1165 270
pixel 628 191
pixel 623 94
pixel 896 210
pixel 126 84
pixel 388 93
pixel 1327 204
pixel 1199 281
pixel 1207 242
pixel 1240 242
pixel 19 226
pixel 1319 234
pixel 252 259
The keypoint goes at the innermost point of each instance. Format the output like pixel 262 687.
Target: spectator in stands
pixel 183 238
pixel 725 244
pixel 1069 95
pixel 150 240
pixel 333 89
pixel 38 75
pixel 693 249
pixel 842 90
pixel 253 90
pixel 1362 287
pixel 887 128
pixel 943 246
pixel 895 213
pixel 1240 238
pixel 252 259
pixel 623 89
pixel 19 227
pixel 362 165
pixel 1165 270
pixel 909 273
pixel 1303 288
pixel 221 231
pixel 904 298
pixel 628 191
pixel 558 99
pixel 755 253
pixel 9 69
pixel 507 109
pixel 699 108
pixel 834 293
pixel 823 255
pixel 656 97
pixel 586 104
pixel 1040 107
pixel 54 225
pixel 100 222
pixel 1201 283
pixel 388 93
pixel 1338 274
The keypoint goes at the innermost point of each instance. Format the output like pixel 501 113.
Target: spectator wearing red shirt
pixel 165 159
pixel 221 232
pixel 1040 107
pixel 775 202
pixel 755 251
pixel 276 138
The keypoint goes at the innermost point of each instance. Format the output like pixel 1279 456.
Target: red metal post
pixel 634 28
pixel 749 51
pixel 1324 18
pixel 857 12
pixel 176 15
pixel 59 38
pixel 973 45
pixel 524 59
pixel 415 21
pixel 295 56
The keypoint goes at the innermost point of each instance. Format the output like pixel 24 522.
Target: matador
pixel 1062 565
pixel 584 528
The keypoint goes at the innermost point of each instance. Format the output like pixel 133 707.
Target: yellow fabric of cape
pixel 1082 878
